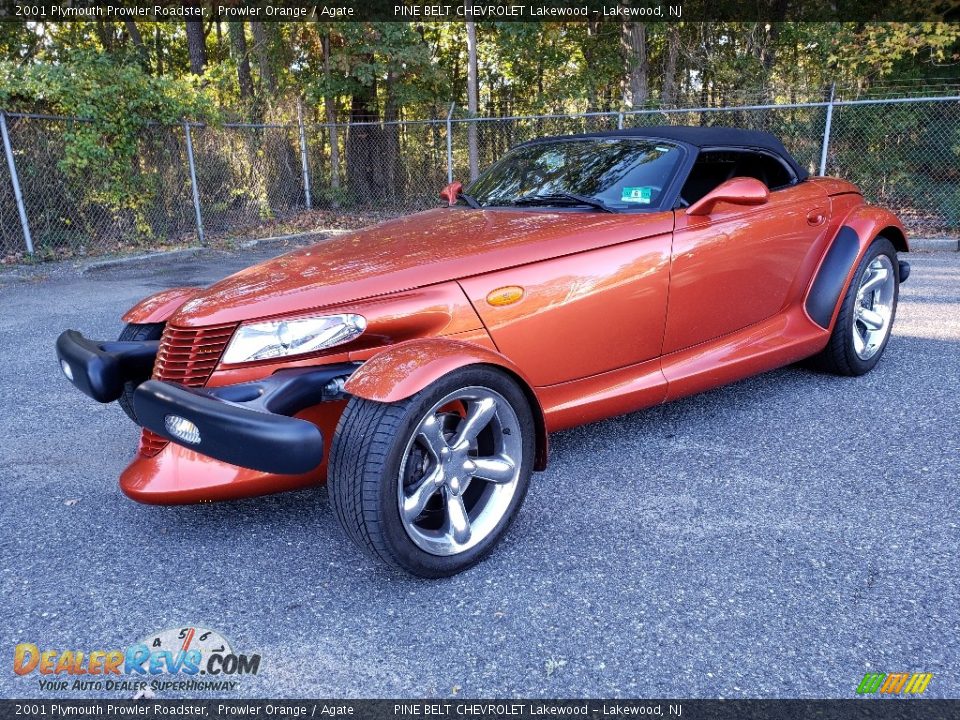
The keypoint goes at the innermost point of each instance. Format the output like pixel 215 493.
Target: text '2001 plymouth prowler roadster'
pixel 418 366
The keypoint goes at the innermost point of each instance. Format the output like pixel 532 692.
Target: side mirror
pixel 738 191
pixel 451 192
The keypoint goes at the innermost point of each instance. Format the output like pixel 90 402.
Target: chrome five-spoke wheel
pixel 873 308
pixel 460 471
pixel 431 483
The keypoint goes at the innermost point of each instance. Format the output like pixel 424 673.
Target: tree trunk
pixel 363 143
pixel 196 46
pixel 261 48
pixel 636 64
pixel 589 53
pixel 238 48
pixel 331 113
pixel 137 40
pixel 668 97
pixel 394 171
pixel 105 33
pixel 472 99
pixel 158 48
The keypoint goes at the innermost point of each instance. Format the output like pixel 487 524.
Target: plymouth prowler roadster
pixel 418 366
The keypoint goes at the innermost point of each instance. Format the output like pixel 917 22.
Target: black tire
pixel 840 356
pixel 366 454
pixel 136 331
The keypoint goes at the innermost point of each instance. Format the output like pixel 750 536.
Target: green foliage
pixel 119 100
pixel 124 76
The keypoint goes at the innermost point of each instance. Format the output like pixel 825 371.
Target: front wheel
pixel 430 484
pixel 136 331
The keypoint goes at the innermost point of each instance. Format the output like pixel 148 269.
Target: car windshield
pixel 612 174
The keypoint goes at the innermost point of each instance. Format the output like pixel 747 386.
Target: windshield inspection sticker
pixel 636 195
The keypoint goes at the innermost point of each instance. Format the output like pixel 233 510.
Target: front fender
pixel 160 306
pixel 856 233
pixel 407 368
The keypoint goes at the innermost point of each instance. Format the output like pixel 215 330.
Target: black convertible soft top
pixel 708 137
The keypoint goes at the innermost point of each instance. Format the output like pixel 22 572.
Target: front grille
pixel 187 356
pixel 151 443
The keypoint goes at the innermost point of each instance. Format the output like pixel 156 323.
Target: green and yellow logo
pixel 894 683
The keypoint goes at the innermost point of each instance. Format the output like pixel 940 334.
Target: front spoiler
pixel 249 424
pixel 100 368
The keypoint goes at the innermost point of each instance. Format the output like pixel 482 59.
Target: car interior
pixel 714 167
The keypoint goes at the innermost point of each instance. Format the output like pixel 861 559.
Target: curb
pixel 130 259
pixel 934 244
pixel 326 232
pixel 197 249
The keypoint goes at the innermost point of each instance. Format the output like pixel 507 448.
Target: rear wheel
pixel 430 484
pixel 866 315
pixel 136 331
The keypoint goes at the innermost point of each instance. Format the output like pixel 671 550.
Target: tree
pixel 636 64
pixel 137 40
pixel 196 46
pixel 261 48
pixel 668 95
pixel 329 105
pixel 472 99
pixel 238 50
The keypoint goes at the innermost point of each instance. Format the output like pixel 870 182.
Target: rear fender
pixel 158 308
pixel 405 369
pixel 859 229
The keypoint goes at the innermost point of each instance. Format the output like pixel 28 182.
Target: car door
pixel 584 313
pixel 735 267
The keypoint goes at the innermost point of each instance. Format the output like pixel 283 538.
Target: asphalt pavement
pixel 779 537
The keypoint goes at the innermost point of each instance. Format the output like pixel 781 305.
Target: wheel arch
pixel 832 278
pixel 869 221
pixel 897 236
pixel 405 369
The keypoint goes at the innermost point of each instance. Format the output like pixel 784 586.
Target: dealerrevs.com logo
pixel 179 659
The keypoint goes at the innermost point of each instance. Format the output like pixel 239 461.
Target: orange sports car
pixel 418 366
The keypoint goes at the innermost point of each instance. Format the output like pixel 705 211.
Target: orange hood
pixel 423 249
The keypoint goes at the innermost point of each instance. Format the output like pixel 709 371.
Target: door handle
pixel 816 217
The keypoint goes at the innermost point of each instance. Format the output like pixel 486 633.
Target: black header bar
pixel 485 10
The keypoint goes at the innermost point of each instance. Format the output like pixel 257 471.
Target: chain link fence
pixel 904 153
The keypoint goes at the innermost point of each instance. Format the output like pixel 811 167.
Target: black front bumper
pixel 100 368
pixel 249 424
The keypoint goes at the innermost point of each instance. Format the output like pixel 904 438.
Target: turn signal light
pixel 505 295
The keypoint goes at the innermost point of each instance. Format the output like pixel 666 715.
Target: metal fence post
pixel 620 120
pixel 193 182
pixel 450 143
pixel 15 180
pixel 826 133
pixel 303 157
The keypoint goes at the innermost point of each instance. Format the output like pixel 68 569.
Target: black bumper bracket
pixel 904 270
pixel 248 424
pixel 100 368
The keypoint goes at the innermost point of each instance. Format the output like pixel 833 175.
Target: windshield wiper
pixel 565 198
pixel 469 200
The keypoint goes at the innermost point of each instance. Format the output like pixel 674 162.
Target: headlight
pixel 279 338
